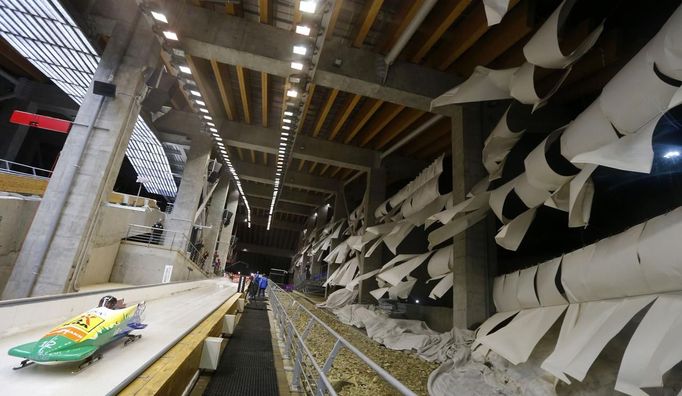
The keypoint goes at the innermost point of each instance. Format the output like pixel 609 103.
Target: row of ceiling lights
pixel 179 60
pixel 296 83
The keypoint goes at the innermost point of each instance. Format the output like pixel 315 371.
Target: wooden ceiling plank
pixel 514 27
pixel 334 17
pixel 404 18
pixel 265 99
pixel 325 111
pixel 324 169
pixel 264 11
pixel 397 126
pixel 438 27
pixel 439 147
pixel 222 77
pixel 367 18
pixel 427 138
pixel 466 34
pixel 366 112
pixel 343 117
pixel 387 114
pixel 244 93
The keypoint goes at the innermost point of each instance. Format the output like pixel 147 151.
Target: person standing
pixel 262 285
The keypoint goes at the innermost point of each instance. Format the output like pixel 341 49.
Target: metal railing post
pixel 328 364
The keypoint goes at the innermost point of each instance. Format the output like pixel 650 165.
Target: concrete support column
pixel 192 184
pixel 225 238
pixel 471 253
pixel 320 221
pixel 215 216
pixel 375 194
pixel 340 212
pixel 57 245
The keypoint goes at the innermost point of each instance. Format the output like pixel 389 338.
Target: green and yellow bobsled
pixel 81 337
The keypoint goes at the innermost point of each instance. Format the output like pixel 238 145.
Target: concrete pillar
pixel 192 184
pixel 215 216
pixel 375 194
pixel 340 212
pixel 225 238
pixel 320 221
pixel 56 247
pixel 471 250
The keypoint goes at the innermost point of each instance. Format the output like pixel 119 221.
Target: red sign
pixel 39 121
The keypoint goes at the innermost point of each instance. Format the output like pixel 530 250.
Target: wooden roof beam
pixel 367 17
pixel 325 111
pixel 244 93
pixel 441 19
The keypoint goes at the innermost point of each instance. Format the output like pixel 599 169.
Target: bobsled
pixel 79 339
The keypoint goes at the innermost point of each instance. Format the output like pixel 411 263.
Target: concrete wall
pixel 16 214
pixel 141 264
pixel 112 226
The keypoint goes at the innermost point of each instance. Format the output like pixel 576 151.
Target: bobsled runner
pixel 79 339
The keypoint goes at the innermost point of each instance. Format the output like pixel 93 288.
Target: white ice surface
pixel 168 318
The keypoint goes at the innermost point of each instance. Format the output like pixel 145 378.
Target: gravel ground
pixel 349 375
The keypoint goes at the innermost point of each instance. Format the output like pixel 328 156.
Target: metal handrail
pixel 15 168
pixel 166 239
pixel 292 337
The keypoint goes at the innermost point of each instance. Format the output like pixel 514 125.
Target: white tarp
pixel 543 48
pixel 586 330
pixel 516 341
pixel 484 84
pixel 654 348
pixel 495 10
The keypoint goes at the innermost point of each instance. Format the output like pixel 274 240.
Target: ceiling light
pixel 170 35
pixel 304 30
pixel 195 93
pixel 203 110
pixel 200 102
pixel 307 6
pixel 297 65
pixel 292 93
pixel 285 133
pixel 287 121
pixel 300 50
pixel 223 151
pixel 218 138
pixel 213 130
pixel 162 18
pixel 286 127
pixel 288 113
pixel 207 117
pixel 211 124
pixel 185 69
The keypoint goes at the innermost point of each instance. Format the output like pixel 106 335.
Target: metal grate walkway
pixel 247 366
